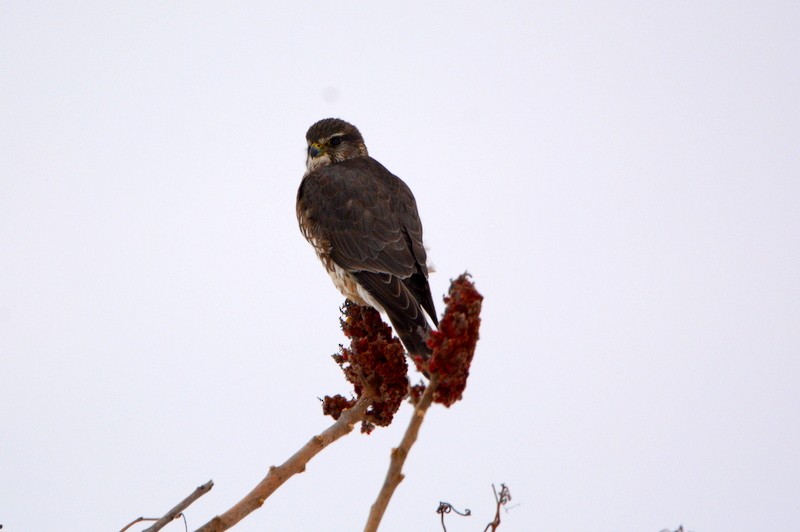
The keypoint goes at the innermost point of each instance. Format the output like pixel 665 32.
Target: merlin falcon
pixel 363 223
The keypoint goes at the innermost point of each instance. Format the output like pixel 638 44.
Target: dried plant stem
pixel 395 475
pixel 295 464
pixel 501 498
pixel 180 507
pixel 138 520
pixel 175 512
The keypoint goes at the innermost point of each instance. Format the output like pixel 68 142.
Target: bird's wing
pixel 368 217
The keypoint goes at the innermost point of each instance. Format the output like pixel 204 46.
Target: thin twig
pixel 176 511
pixel 137 520
pixel 295 464
pixel 394 475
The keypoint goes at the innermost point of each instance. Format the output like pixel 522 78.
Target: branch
pixel 137 520
pixel 295 464
pixel 394 476
pixel 178 509
pixel 174 513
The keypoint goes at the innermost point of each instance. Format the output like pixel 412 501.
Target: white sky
pixel 622 179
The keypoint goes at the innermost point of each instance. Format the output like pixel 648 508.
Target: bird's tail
pixel 413 332
pixel 389 294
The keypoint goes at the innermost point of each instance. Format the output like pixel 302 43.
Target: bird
pixel 364 226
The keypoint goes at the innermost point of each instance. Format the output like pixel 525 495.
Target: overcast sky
pixel 622 179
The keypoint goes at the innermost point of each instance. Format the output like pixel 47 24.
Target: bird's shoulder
pixel 352 174
pixel 361 183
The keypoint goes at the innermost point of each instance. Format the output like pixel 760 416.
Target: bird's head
pixel 332 140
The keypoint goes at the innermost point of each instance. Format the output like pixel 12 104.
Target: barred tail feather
pixel 390 295
pixel 413 332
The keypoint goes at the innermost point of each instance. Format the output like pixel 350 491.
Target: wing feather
pixel 368 215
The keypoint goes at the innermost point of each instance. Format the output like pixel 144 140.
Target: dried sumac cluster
pixel 453 345
pixel 374 363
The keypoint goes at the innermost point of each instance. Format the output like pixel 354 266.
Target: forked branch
pixel 295 464
pixel 174 513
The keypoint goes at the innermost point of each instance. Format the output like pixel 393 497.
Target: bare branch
pixel 137 520
pixel 175 512
pixel 295 464
pixel 394 476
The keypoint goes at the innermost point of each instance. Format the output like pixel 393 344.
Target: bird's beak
pixel 314 149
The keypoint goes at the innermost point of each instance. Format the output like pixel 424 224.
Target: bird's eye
pixel 335 141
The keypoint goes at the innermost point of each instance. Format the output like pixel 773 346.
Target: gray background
pixel 621 179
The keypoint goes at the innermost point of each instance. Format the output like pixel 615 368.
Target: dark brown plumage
pixel 363 223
